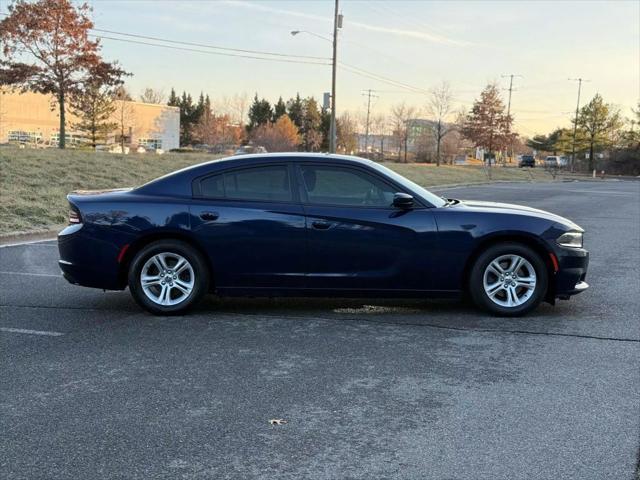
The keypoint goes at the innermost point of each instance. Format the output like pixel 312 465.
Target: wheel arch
pixel 524 238
pixel 139 243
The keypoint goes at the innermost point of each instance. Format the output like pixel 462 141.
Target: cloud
pixel 420 35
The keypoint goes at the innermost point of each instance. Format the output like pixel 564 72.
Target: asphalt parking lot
pixel 92 387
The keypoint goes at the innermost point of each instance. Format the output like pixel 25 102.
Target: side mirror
pixel 403 201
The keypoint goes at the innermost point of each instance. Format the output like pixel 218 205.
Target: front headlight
pixel 570 239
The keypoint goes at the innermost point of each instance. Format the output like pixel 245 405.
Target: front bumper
pixel 572 271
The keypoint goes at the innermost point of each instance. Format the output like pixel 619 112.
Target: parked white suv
pixel 555 161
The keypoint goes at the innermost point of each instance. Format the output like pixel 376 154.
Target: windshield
pixel 432 198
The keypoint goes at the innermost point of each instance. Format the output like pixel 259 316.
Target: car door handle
pixel 321 225
pixel 209 216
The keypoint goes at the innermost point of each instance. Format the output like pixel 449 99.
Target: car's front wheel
pixel 508 279
pixel 168 277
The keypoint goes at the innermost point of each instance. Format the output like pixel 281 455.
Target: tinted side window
pixel 259 183
pixel 326 185
pixel 212 187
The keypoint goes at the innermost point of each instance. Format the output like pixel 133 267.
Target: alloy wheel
pixel 167 279
pixel 509 280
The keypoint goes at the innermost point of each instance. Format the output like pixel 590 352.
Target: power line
pixel 215 47
pixel 380 78
pixel 312 60
pixel 252 54
pixel 252 57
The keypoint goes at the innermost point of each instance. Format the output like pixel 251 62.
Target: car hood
pixel 509 208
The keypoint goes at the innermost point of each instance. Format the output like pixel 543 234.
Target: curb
pixel 24 238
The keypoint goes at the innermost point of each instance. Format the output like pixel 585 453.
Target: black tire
pixel 196 262
pixel 476 280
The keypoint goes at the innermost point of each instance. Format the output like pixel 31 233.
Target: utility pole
pixel 368 94
pixel 510 76
pixel 575 120
pixel 337 23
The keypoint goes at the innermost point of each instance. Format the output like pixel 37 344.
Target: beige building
pixel 33 118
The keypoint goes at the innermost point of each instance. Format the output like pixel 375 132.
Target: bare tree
pixel 439 106
pixel 401 113
pixel 238 107
pixel 379 125
pixel 346 126
pixel 123 116
pixel 149 95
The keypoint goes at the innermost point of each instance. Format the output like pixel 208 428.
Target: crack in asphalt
pixel 365 320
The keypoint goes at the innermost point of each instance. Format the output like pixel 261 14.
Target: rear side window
pixel 269 183
pixel 212 186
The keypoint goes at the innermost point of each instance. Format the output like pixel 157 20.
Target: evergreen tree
pixel 295 110
pixel 260 113
pixel 198 110
pixel 187 110
pixel 311 121
pixel 325 126
pixel 279 109
pixel 94 106
pixel 173 101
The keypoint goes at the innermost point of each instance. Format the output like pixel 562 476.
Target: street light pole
pixel 332 128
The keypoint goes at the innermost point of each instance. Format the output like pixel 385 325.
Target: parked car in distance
pixel 250 149
pixel 555 161
pixel 314 225
pixel 527 161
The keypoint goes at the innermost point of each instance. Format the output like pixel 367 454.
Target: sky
pixel 417 43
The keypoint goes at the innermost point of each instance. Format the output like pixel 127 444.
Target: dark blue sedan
pixel 314 225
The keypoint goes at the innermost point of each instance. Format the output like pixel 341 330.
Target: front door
pixel 252 227
pixel 357 240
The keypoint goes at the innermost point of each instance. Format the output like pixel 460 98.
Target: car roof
pixel 176 182
pixel 299 156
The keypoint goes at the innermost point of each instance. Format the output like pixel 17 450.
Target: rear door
pixel 357 239
pixel 252 226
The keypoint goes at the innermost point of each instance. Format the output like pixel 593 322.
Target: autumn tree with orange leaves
pixel 279 136
pixel 46 49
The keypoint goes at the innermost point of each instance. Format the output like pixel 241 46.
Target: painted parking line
pixel 31 332
pixel 28 274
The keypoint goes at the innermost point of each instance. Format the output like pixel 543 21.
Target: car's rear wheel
pixel 508 279
pixel 168 277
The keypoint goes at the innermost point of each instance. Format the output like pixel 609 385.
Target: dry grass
pixel 428 175
pixel 34 183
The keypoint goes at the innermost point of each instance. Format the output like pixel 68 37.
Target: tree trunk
pixel 61 105
pixel 490 147
pixel 122 127
pixel 592 162
pixel 406 141
pixel 439 139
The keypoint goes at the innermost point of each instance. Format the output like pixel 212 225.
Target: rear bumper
pixel 87 261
